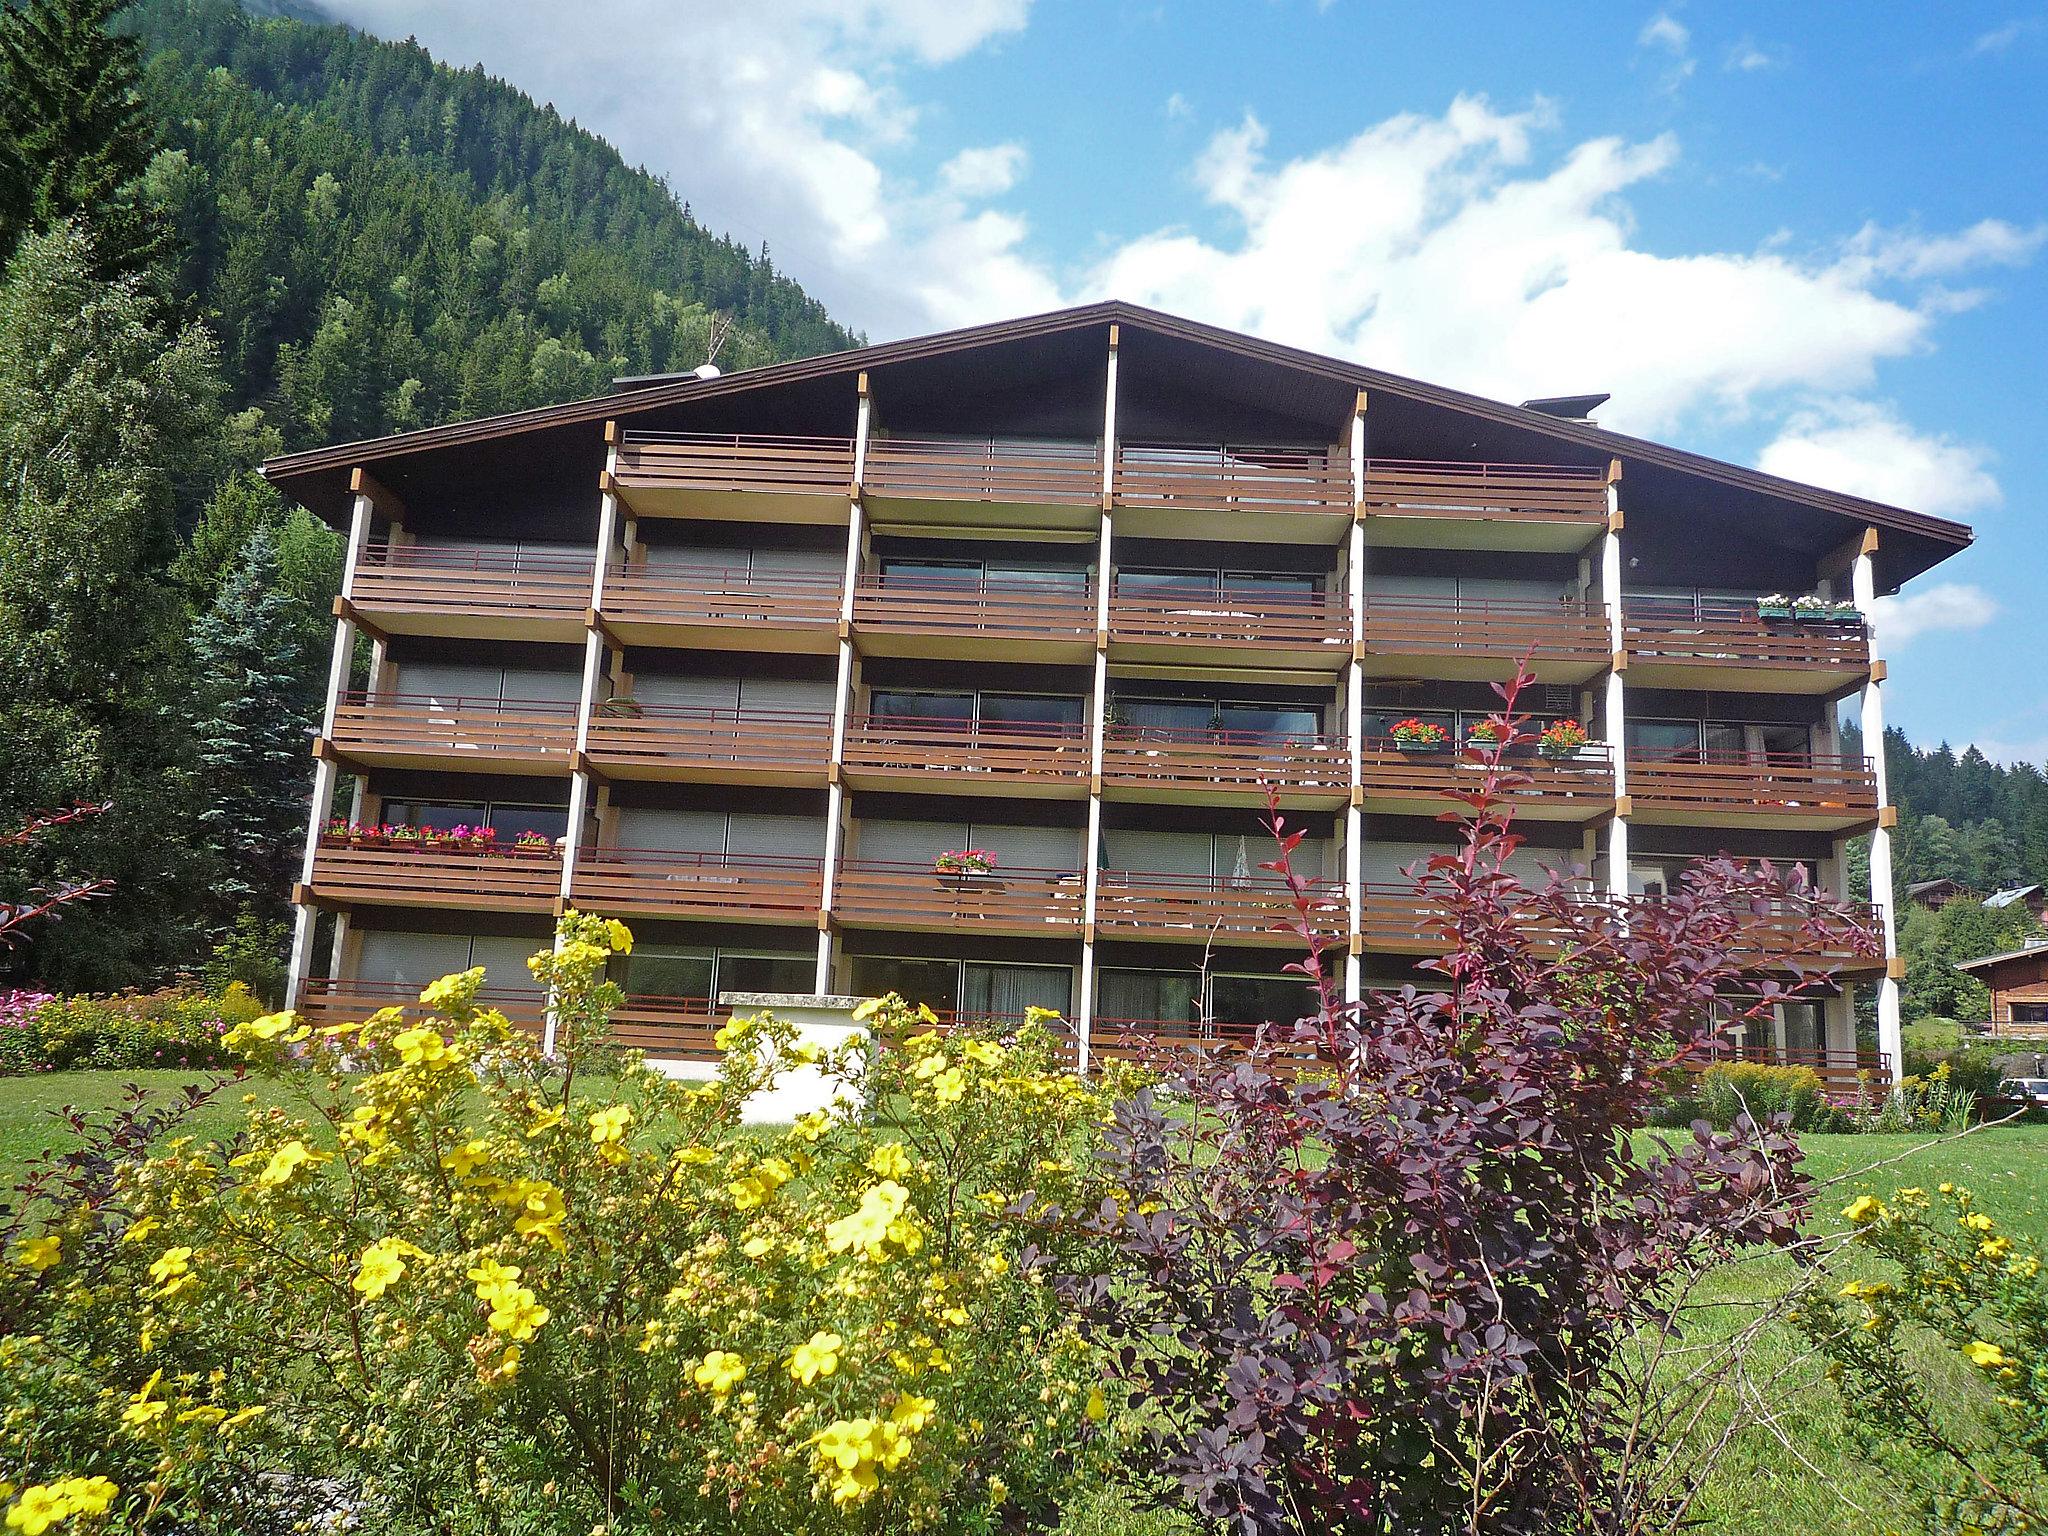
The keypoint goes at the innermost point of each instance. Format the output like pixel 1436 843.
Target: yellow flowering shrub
pixel 475 1288
pixel 1937 1278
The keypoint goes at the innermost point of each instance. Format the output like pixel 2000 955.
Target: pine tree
pixel 256 718
pixel 75 137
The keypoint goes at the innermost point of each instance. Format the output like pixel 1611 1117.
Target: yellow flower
pixel 286 1161
pixel 139 1230
pixel 1098 1406
pixel 42 1506
pixel 269 1027
pixel 454 991
pixel 142 1409
pixel 1862 1208
pixel 869 1229
pixel 1977 1221
pixel 491 1277
pixel 949 1086
pixel 516 1314
pixel 929 1066
pixel 545 1117
pixel 818 1356
pixel 913 1413
pixel 39 1253
pixel 609 1124
pixel 172 1270
pixel 759 1187
pixel 620 935
pixel 423 1047
pixel 811 1127
pixel 756 1246
pixel 1995 1247
pixel 719 1372
pixel 984 1053
pixel 1989 1356
pixel 891 1160
pixel 381 1265
pixel 462 1161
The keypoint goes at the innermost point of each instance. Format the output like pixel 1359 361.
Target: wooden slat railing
pixel 1780 933
pixel 1798 783
pixel 967 751
pixel 975 609
pixel 677 737
pixel 701 461
pixel 1029 474
pixel 1237 619
pixel 427 579
pixel 718 596
pixel 669 1028
pixel 912 895
pixel 1441 626
pixel 1524 492
pixel 1398 917
pixel 1246 761
pixel 428 875
pixel 1720 632
pixel 1257 908
pixel 1845 1075
pixel 1146 1040
pixel 327 1000
pixel 479 731
pixel 754 887
pixel 1387 771
pixel 1233 478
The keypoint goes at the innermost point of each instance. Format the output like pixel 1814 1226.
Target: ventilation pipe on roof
pixel 705 371
pixel 1567 407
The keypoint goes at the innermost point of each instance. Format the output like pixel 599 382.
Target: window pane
pixel 508 821
pixel 1254 583
pixel 1723 740
pixel 1006 991
pixel 1157 583
pixel 1029 709
pixel 767 973
pixel 1252 1000
pixel 1381 722
pixel 1666 740
pixel 1167 714
pixel 1055 577
pixel 922 706
pixel 1273 722
pixel 934 982
pixel 650 973
pixel 918 572
pixel 1160 996
pixel 1783 741
pixel 441 815
pixel 1803 1027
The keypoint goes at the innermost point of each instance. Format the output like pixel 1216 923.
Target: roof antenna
pixel 721 329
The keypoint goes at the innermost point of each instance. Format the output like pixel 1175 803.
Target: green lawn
pixel 1794 1476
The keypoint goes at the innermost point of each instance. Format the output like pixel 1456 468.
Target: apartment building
pixel 960 666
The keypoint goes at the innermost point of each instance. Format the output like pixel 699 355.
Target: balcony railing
pixel 1583 782
pixel 398 872
pixel 1255 909
pixel 728 462
pixel 682 741
pixel 1152 1039
pixel 965 755
pixel 1235 763
pixel 1846 1076
pixel 1787 930
pixel 972 609
pixel 1523 492
pixel 1714 632
pixel 670 1028
pixel 739 887
pixel 1564 631
pixel 326 1000
pixel 1819 787
pixel 476 582
pixel 879 893
pixel 1398 918
pixel 1232 618
pixel 720 597
pixel 1232 478
pixel 481 733
pixel 1009 474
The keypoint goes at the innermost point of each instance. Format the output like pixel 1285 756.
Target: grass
pixel 1825 1489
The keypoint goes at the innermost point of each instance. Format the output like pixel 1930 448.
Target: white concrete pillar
pixel 1890 1032
pixel 1105 577
pixel 1611 567
pixel 842 695
pixel 1354 714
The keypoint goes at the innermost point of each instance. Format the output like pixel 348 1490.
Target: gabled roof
pixel 2031 952
pixel 296 473
pixel 2011 894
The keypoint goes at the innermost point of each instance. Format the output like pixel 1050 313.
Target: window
pixel 766 973
pixel 1249 1001
pixel 932 982
pixel 2029 1013
pixel 651 971
pixel 969 988
pixel 1152 996
pixel 1242 719
pixel 997 573
pixel 1026 709
pixel 1804 1028
pixel 508 821
pixel 1678 741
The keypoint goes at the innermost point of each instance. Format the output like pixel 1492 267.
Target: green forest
pixel 226 235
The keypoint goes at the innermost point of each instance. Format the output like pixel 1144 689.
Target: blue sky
pixel 1805 237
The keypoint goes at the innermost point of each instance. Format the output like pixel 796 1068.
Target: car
pixel 2029 1094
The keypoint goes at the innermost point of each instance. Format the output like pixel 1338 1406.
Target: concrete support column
pixel 1890 1034
pixel 1105 577
pixel 305 915
pixel 1611 567
pixel 842 695
pixel 1354 713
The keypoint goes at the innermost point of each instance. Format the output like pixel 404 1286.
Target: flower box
pixel 1412 735
pixel 969 863
pixel 1562 739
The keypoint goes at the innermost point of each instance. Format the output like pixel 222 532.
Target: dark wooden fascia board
pixel 1114 312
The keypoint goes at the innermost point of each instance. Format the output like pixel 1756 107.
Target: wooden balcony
pixel 715 607
pixel 1256 910
pixel 1268 495
pixel 706 743
pixel 1793 790
pixel 966 757
pixel 745 477
pixel 1224 767
pixel 725 887
pixel 1396 781
pixel 1567 642
pixel 969 484
pixel 1153 1040
pixel 480 593
pixel 1396 918
pixel 869 893
pixel 1777 937
pixel 1452 505
pixel 352 872
pixel 399 730
pixel 1846 1076
pixel 324 1000
pixel 1724 645
pixel 974 619
pixel 1231 628
pixel 669 1028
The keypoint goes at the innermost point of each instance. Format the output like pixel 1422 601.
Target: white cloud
pixel 1998 39
pixel 985 172
pixel 1906 253
pixel 1947 605
pixel 1178 107
pixel 1748 56
pixel 1864 449
pixel 1665 31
